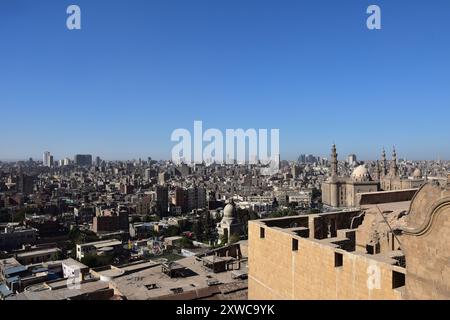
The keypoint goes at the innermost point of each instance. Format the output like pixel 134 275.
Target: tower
pixel 334 161
pixel 334 190
pixel 393 171
pixel 383 163
pixel 378 169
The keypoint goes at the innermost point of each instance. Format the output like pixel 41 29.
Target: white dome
pixel 228 210
pixel 361 173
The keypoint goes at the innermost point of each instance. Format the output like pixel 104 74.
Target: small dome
pixel 417 173
pixel 361 173
pixel 228 211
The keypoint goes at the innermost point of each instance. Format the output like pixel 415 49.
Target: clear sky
pixel 139 69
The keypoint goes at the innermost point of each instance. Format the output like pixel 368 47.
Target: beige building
pixel 340 191
pixel 392 250
pixel 229 225
pixel 392 181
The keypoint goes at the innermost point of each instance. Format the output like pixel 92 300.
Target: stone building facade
pixel 391 250
pixel 342 191
pixel 338 191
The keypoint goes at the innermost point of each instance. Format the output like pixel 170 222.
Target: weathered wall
pixel 425 242
pixel 277 272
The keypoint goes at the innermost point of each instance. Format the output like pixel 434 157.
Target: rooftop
pixel 152 283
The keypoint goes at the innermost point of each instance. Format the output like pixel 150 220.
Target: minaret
pixel 394 168
pixel 334 191
pixel 378 169
pixel 334 162
pixel 383 163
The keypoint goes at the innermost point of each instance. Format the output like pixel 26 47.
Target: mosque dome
pixel 229 210
pixel 417 173
pixel 361 173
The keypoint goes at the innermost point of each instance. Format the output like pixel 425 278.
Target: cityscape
pixel 224 157
pixel 86 228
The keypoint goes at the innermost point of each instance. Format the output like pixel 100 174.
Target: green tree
pixel 186 243
pixel 224 239
pixel 172 231
pixel 234 238
pixel 135 219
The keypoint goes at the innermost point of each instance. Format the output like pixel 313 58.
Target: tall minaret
pixel 394 168
pixel 378 170
pixel 334 162
pixel 383 163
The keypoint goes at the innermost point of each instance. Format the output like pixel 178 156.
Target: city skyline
pixel 118 87
pixel 341 157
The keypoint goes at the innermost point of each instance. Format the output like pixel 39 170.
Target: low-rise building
pixel 94 248
pixel 14 237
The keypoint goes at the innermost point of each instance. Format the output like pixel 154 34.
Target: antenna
pixel 389 226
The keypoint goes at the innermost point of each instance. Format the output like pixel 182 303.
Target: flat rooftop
pixel 152 283
pixel 101 244
pixel 37 252
pixel 60 290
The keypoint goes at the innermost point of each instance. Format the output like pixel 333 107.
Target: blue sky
pixel 139 69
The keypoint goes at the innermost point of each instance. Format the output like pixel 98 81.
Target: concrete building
pixel 162 200
pixel 47 159
pixel 196 198
pixel 74 269
pixel 38 255
pixel 94 248
pixel 111 223
pixel 14 237
pixel 351 159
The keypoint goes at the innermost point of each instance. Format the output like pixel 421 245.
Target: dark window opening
pixel 294 245
pixel 338 259
pixel 398 279
pixel 262 232
pixel 151 286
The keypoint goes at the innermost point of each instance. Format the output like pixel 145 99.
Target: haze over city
pixel 118 87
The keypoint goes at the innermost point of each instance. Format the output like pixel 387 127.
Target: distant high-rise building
pixel 98 161
pixel 47 159
pixel 295 171
pixel 149 173
pixel 185 170
pixel 25 183
pixel 351 159
pixel 310 159
pixel 302 158
pixel 181 199
pixel 162 200
pixel 83 160
pixel 163 177
pixel 196 198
